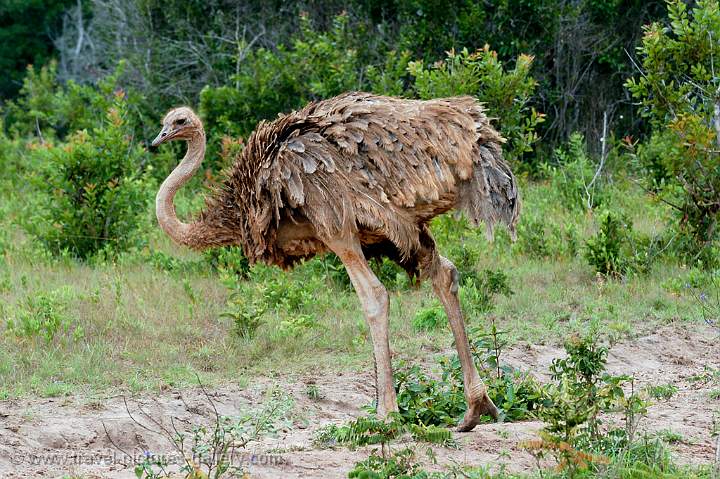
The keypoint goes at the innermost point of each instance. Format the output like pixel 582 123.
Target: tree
pixel 679 92
pixel 26 31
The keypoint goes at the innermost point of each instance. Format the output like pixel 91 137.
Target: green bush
pixel 477 294
pixel 49 109
pixel 678 93
pixel 517 394
pixel 662 391
pixel 282 293
pixel 245 312
pixel 400 464
pixel 319 65
pixel 390 273
pixel 423 399
pixel 393 77
pixel 607 251
pixel 11 162
pixel 540 237
pixel 172 264
pixel 331 269
pixel 45 316
pixel 298 325
pixel 91 191
pixel 229 259
pixel 532 240
pixel 573 403
pixel 430 318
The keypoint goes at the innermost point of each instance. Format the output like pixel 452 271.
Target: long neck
pixel 164 207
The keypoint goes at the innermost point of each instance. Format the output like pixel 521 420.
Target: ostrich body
pixel 360 175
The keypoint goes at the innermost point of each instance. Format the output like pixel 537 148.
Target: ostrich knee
pixel 375 302
pixel 449 276
pixel 377 305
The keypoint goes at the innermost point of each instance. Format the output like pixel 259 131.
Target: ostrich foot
pixel 478 405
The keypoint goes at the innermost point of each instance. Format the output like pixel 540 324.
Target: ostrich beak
pixel 162 136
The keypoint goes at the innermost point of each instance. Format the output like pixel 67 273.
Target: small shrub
pixel 282 293
pixel 463 255
pixel 172 264
pixel 662 391
pixel 370 430
pixel 540 237
pixel 312 391
pixel 607 251
pixel 400 464
pixel 91 191
pixel 532 240
pixel 388 465
pixel 390 274
pixel 669 436
pixel 213 451
pixel 429 318
pixel 297 325
pixel 580 393
pixel 245 312
pixel 45 316
pixel 332 269
pixel 48 108
pixel 423 399
pixel 515 393
pixel 12 162
pixel 477 294
pixel 229 259
pixel 695 280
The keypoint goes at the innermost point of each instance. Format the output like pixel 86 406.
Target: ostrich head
pixel 179 124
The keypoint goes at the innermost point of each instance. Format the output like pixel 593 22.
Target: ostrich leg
pixel 445 279
pixel 375 301
pixel 445 284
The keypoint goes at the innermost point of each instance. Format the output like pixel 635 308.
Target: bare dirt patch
pixel 62 436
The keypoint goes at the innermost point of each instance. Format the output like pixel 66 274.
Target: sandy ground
pixel 56 437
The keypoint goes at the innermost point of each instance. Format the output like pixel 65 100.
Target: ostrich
pixel 359 175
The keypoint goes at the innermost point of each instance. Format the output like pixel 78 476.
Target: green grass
pixel 131 325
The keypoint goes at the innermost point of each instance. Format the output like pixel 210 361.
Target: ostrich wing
pixel 385 164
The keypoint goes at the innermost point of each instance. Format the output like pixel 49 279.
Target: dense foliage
pixel 175 49
pixel 27 28
pixel 88 200
pixel 679 91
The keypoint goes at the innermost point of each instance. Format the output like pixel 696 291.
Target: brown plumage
pixel 361 162
pixel 361 175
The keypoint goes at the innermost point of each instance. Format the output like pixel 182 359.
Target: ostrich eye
pixel 180 121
